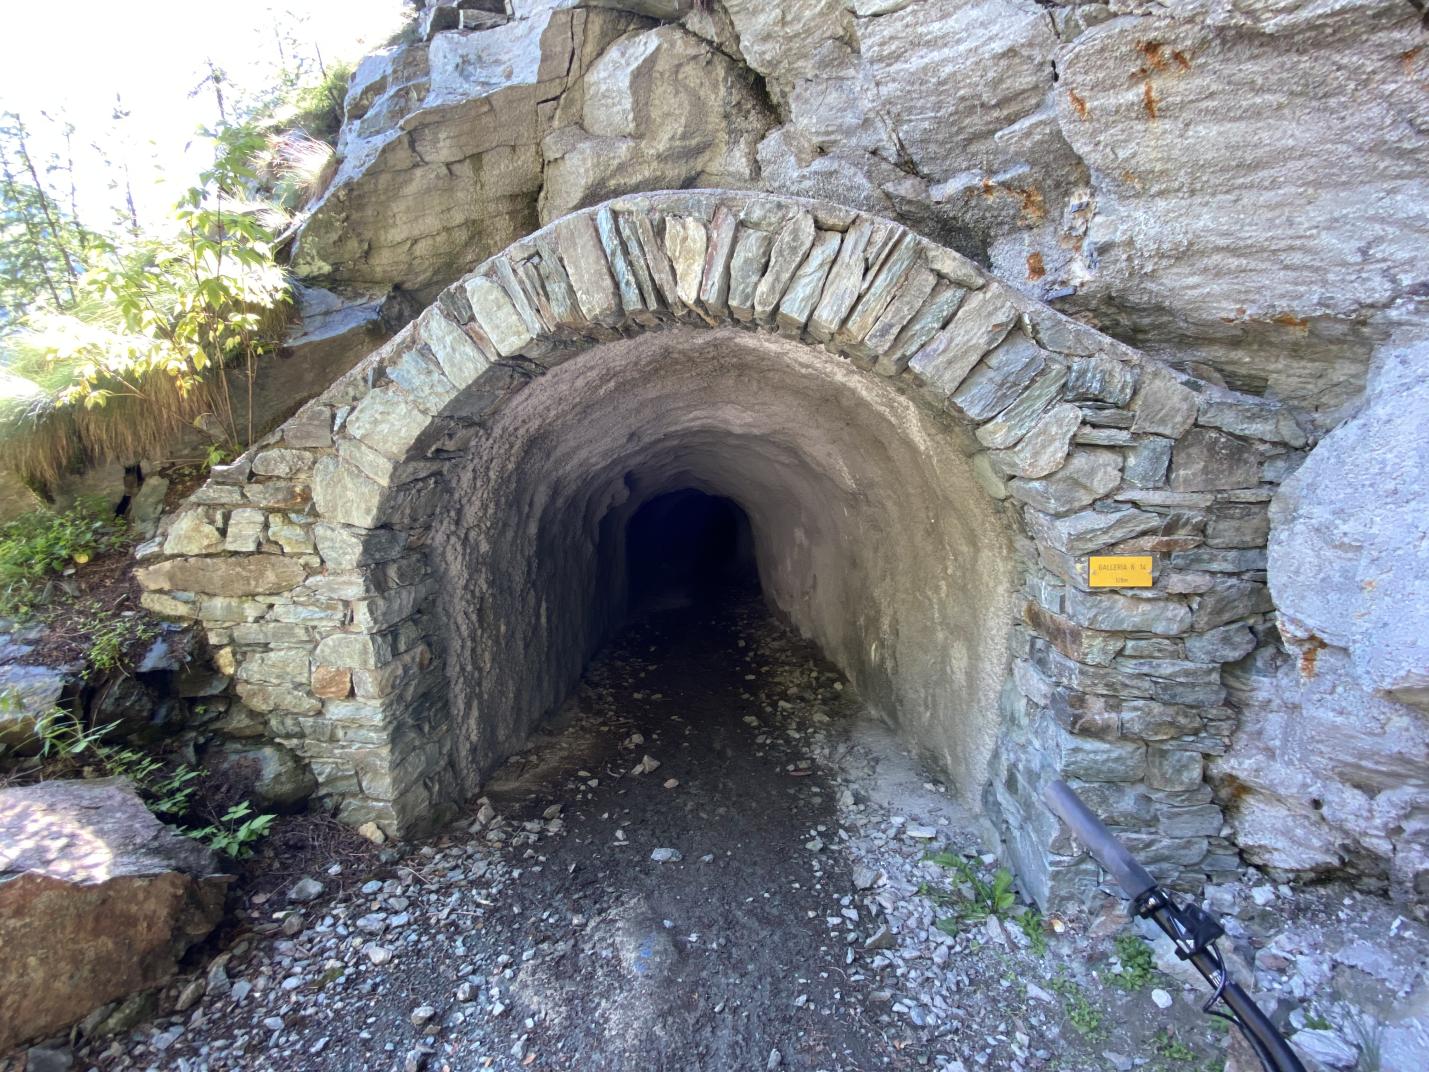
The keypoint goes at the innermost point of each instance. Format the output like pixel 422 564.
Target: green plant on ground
pixel 1368 1035
pixel 983 898
pixel 36 546
pixel 1138 966
pixel 236 832
pixel 69 747
pixel 1316 1022
pixel 112 636
pixel 70 744
pixel 1081 1013
pixel 1167 1045
pixel 1033 926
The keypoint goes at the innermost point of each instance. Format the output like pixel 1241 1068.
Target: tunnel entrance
pixel 412 573
pixel 686 548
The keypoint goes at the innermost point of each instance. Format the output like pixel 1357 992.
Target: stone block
pixel 1090 530
pixel 1008 427
pixel 1207 460
pixel 1085 477
pixel 943 301
pixel 283 462
pixel 1173 768
pixel 1101 378
pixel 190 533
pixel 808 283
pixel 1113 611
pixel 587 269
pixel 1100 761
pixel 388 421
pixel 1163 405
pixel 1044 447
pixel 248 575
pixel 841 288
pixel 746 269
pixel 982 322
pixel 245 530
pixel 791 246
pixel 1228 601
pixel 1000 377
pixel 686 241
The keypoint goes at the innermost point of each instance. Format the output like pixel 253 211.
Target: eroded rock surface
pixel 98 899
pixel 1331 764
pixel 1237 185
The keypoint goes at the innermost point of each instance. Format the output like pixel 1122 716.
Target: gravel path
pixel 709 860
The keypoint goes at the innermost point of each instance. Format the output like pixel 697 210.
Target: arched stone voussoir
pixel 306 559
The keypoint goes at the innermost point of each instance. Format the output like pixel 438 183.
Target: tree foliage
pixel 132 336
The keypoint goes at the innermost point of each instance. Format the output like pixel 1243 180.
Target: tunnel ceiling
pixel 409 573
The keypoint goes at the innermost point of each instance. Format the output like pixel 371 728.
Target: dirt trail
pixel 724 954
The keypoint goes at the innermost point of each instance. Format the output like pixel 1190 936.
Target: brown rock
pixel 247 575
pixel 332 682
pixel 98 900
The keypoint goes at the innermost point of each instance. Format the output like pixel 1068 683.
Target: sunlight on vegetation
pixel 69 749
pixel 117 340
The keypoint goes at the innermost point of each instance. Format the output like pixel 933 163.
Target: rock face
pixel 97 900
pixel 1331 765
pixel 1165 171
pixel 657 110
pixel 440 154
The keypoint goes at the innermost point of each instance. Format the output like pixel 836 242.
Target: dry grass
pixel 47 441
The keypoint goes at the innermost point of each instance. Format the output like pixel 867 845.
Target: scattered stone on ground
pixel 584 916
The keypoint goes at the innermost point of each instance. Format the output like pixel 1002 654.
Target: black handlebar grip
pixel 1114 857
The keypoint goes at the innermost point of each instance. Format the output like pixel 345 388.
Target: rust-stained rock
pixel 98 900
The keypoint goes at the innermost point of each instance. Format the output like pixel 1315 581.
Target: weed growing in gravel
pixel 1368 1034
pixel 1081 1013
pixel 983 899
pixel 1138 967
pixel 1032 925
pixel 1167 1045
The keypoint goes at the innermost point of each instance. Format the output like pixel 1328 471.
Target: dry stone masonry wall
pixel 308 563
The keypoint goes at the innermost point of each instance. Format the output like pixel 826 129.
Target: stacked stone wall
pixel 305 561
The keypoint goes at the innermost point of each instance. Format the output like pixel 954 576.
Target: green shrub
pixel 235 833
pixel 36 546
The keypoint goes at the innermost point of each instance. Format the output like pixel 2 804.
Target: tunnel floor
pixel 796 925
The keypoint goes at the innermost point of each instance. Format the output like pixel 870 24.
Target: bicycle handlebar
pixel 1114 857
pixel 1192 930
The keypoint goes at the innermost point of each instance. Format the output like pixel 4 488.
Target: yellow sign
pixel 1119 571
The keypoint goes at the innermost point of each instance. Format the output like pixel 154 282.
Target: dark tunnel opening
pixel 687 548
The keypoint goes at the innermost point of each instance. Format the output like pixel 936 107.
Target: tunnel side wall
pixel 309 561
pixel 871 533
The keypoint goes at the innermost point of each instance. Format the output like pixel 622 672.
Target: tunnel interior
pixel 688 548
pixel 685 463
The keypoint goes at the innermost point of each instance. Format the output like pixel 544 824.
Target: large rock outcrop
pixel 98 899
pixel 440 154
pixel 1237 185
pixel 1331 764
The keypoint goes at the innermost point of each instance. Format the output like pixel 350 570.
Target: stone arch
pixel 1028 441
